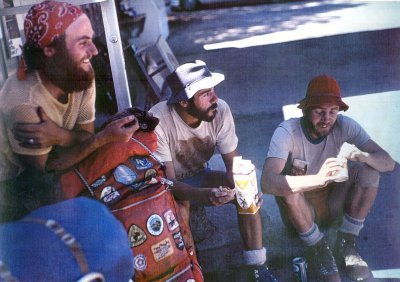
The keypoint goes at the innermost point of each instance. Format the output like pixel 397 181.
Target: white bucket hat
pixel 190 78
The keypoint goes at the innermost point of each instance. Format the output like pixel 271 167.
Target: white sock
pixel 312 236
pixel 255 257
pixel 351 225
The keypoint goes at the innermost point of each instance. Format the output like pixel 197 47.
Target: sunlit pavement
pixel 268 54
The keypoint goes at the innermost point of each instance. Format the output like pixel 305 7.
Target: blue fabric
pixel 197 180
pixel 32 252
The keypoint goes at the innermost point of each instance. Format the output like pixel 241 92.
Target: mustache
pixel 213 107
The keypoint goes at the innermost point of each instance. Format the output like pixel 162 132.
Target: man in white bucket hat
pixel 193 124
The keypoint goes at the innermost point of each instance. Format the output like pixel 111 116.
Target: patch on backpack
pixel 142 163
pixel 162 249
pixel 180 244
pixel 98 182
pixel 150 173
pixel 140 262
pixel 155 225
pixel 136 235
pixel 124 175
pixel 170 219
pixel 109 195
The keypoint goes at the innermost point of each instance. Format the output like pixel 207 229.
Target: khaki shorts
pixel 328 203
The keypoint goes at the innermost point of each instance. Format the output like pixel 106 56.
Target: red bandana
pixel 48 20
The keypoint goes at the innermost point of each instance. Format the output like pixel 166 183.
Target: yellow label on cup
pixel 244 176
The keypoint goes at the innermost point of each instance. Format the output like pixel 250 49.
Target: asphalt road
pixel 268 54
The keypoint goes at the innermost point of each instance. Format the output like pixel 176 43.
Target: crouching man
pixel 302 171
pixel 193 124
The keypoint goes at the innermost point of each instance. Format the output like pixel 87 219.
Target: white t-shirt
pixel 19 102
pixel 190 148
pixel 289 142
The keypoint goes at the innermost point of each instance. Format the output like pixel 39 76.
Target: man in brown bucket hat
pixel 307 170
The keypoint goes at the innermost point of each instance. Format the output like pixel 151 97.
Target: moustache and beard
pixel 206 115
pixel 317 131
pixel 63 71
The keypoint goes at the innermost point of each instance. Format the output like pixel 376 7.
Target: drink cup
pixel 244 175
pixel 343 174
pixel 346 149
pixel 299 167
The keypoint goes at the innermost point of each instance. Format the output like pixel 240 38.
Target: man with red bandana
pixel 48 108
pixel 302 171
pixel 194 123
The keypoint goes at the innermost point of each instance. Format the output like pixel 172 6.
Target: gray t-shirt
pixel 190 148
pixel 289 142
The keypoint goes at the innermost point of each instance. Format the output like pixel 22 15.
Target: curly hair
pixel 35 57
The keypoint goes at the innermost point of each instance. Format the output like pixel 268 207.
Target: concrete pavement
pixel 360 47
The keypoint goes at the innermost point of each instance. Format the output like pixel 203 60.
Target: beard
pixel 66 73
pixel 316 130
pixel 207 115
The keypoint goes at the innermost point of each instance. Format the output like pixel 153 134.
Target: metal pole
pixel 4 73
pixel 116 55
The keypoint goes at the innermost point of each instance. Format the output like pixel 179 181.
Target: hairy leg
pixel 250 226
pixel 357 196
pixel 298 211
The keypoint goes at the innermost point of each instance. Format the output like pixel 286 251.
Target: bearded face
pixel 204 114
pixel 66 72
pixel 320 121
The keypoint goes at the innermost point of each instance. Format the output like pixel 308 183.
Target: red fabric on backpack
pixel 129 180
pixel 103 160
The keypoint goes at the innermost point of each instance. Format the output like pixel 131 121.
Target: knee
pixel 365 176
pixel 292 200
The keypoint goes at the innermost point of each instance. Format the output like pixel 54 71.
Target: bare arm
pixel 205 196
pixel 47 133
pixel 373 155
pixel 272 182
pixel 67 157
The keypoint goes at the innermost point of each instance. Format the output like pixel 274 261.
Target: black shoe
pixel 348 257
pixel 260 273
pixel 322 262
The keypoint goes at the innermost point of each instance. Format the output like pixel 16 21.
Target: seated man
pixel 301 169
pixel 47 111
pixel 193 123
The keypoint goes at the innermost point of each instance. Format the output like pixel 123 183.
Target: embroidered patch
pixel 141 163
pixel 162 249
pixel 151 181
pixel 136 187
pixel 155 225
pixel 109 195
pixel 170 219
pixel 98 182
pixel 140 262
pixel 150 173
pixel 180 244
pixel 136 236
pixel 124 175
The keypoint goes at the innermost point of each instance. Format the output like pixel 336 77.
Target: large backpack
pixel 130 181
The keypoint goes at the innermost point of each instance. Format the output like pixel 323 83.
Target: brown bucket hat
pixel 322 89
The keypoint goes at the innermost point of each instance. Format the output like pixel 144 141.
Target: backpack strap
pixel 5 273
pixel 67 238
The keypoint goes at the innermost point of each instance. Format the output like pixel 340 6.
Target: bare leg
pixel 250 226
pixel 299 212
pixel 360 201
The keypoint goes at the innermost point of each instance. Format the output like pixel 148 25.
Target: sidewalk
pixel 358 45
